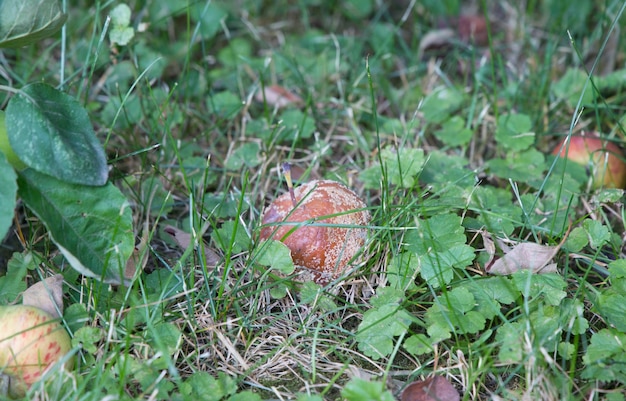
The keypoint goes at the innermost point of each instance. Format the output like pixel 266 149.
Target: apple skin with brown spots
pixel 319 249
pixel 605 159
pixel 30 342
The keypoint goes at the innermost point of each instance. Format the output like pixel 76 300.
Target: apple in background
pixel 605 159
pixel 31 341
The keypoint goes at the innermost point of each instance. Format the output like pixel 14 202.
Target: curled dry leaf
pixel 46 295
pixel 276 95
pixel 435 388
pixel 435 39
pixel 525 255
pixel 468 28
pixel 489 246
pixel 185 240
pixel 139 258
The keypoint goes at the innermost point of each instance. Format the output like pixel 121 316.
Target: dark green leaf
pixel 526 166
pixel 510 338
pixel 232 236
pixel 246 155
pixel 549 286
pixel 437 267
pixel 605 358
pixel 91 225
pixel 205 387
pixel 24 22
pixel 514 131
pixel 570 87
pixel 453 312
pixel 238 51
pixel 576 240
pixel 224 104
pixel 87 337
pixel 444 168
pixel 296 125
pixel 490 293
pixel 276 255
pixel 376 332
pixel 418 344
pixel 166 337
pixel 208 16
pixel 13 283
pixel 51 132
pixel 441 104
pixel 453 132
pixel 75 316
pixel 222 205
pixel 496 211
pixel 572 316
pixel 597 233
pixel 388 295
pixel 402 271
pixel 382 37
pixel 611 305
pixel 366 390
pixel 357 9
pixel 437 233
pixel 402 167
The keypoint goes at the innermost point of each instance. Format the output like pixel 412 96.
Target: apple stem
pixel 287 174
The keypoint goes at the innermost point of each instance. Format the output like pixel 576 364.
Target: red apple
pixel 31 341
pixel 605 159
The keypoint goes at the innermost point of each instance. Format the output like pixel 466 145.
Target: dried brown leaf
pixel 490 246
pixel 185 240
pixel 139 258
pixel 435 39
pixel 276 95
pixel 528 256
pixel 435 388
pixel 46 295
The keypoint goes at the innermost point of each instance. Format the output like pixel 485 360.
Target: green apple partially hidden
pixel 5 146
pixel 604 159
pixel 30 342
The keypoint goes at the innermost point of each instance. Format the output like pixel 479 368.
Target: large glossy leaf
pixel 23 22
pixel 7 195
pixel 92 226
pixel 51 132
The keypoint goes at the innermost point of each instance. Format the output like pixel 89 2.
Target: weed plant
pixel 449 143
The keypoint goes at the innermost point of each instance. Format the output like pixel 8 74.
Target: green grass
pixel 436 141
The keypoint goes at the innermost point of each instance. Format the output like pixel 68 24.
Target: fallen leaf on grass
pixel 435 388
pixel 525 256
pixel 435 39
pixel 185 240
pixel 489 246
pixel 277 96
pixel 46 295
pixel 464 28
pixel 139 258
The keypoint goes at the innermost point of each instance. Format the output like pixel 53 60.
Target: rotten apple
pixel 324 225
